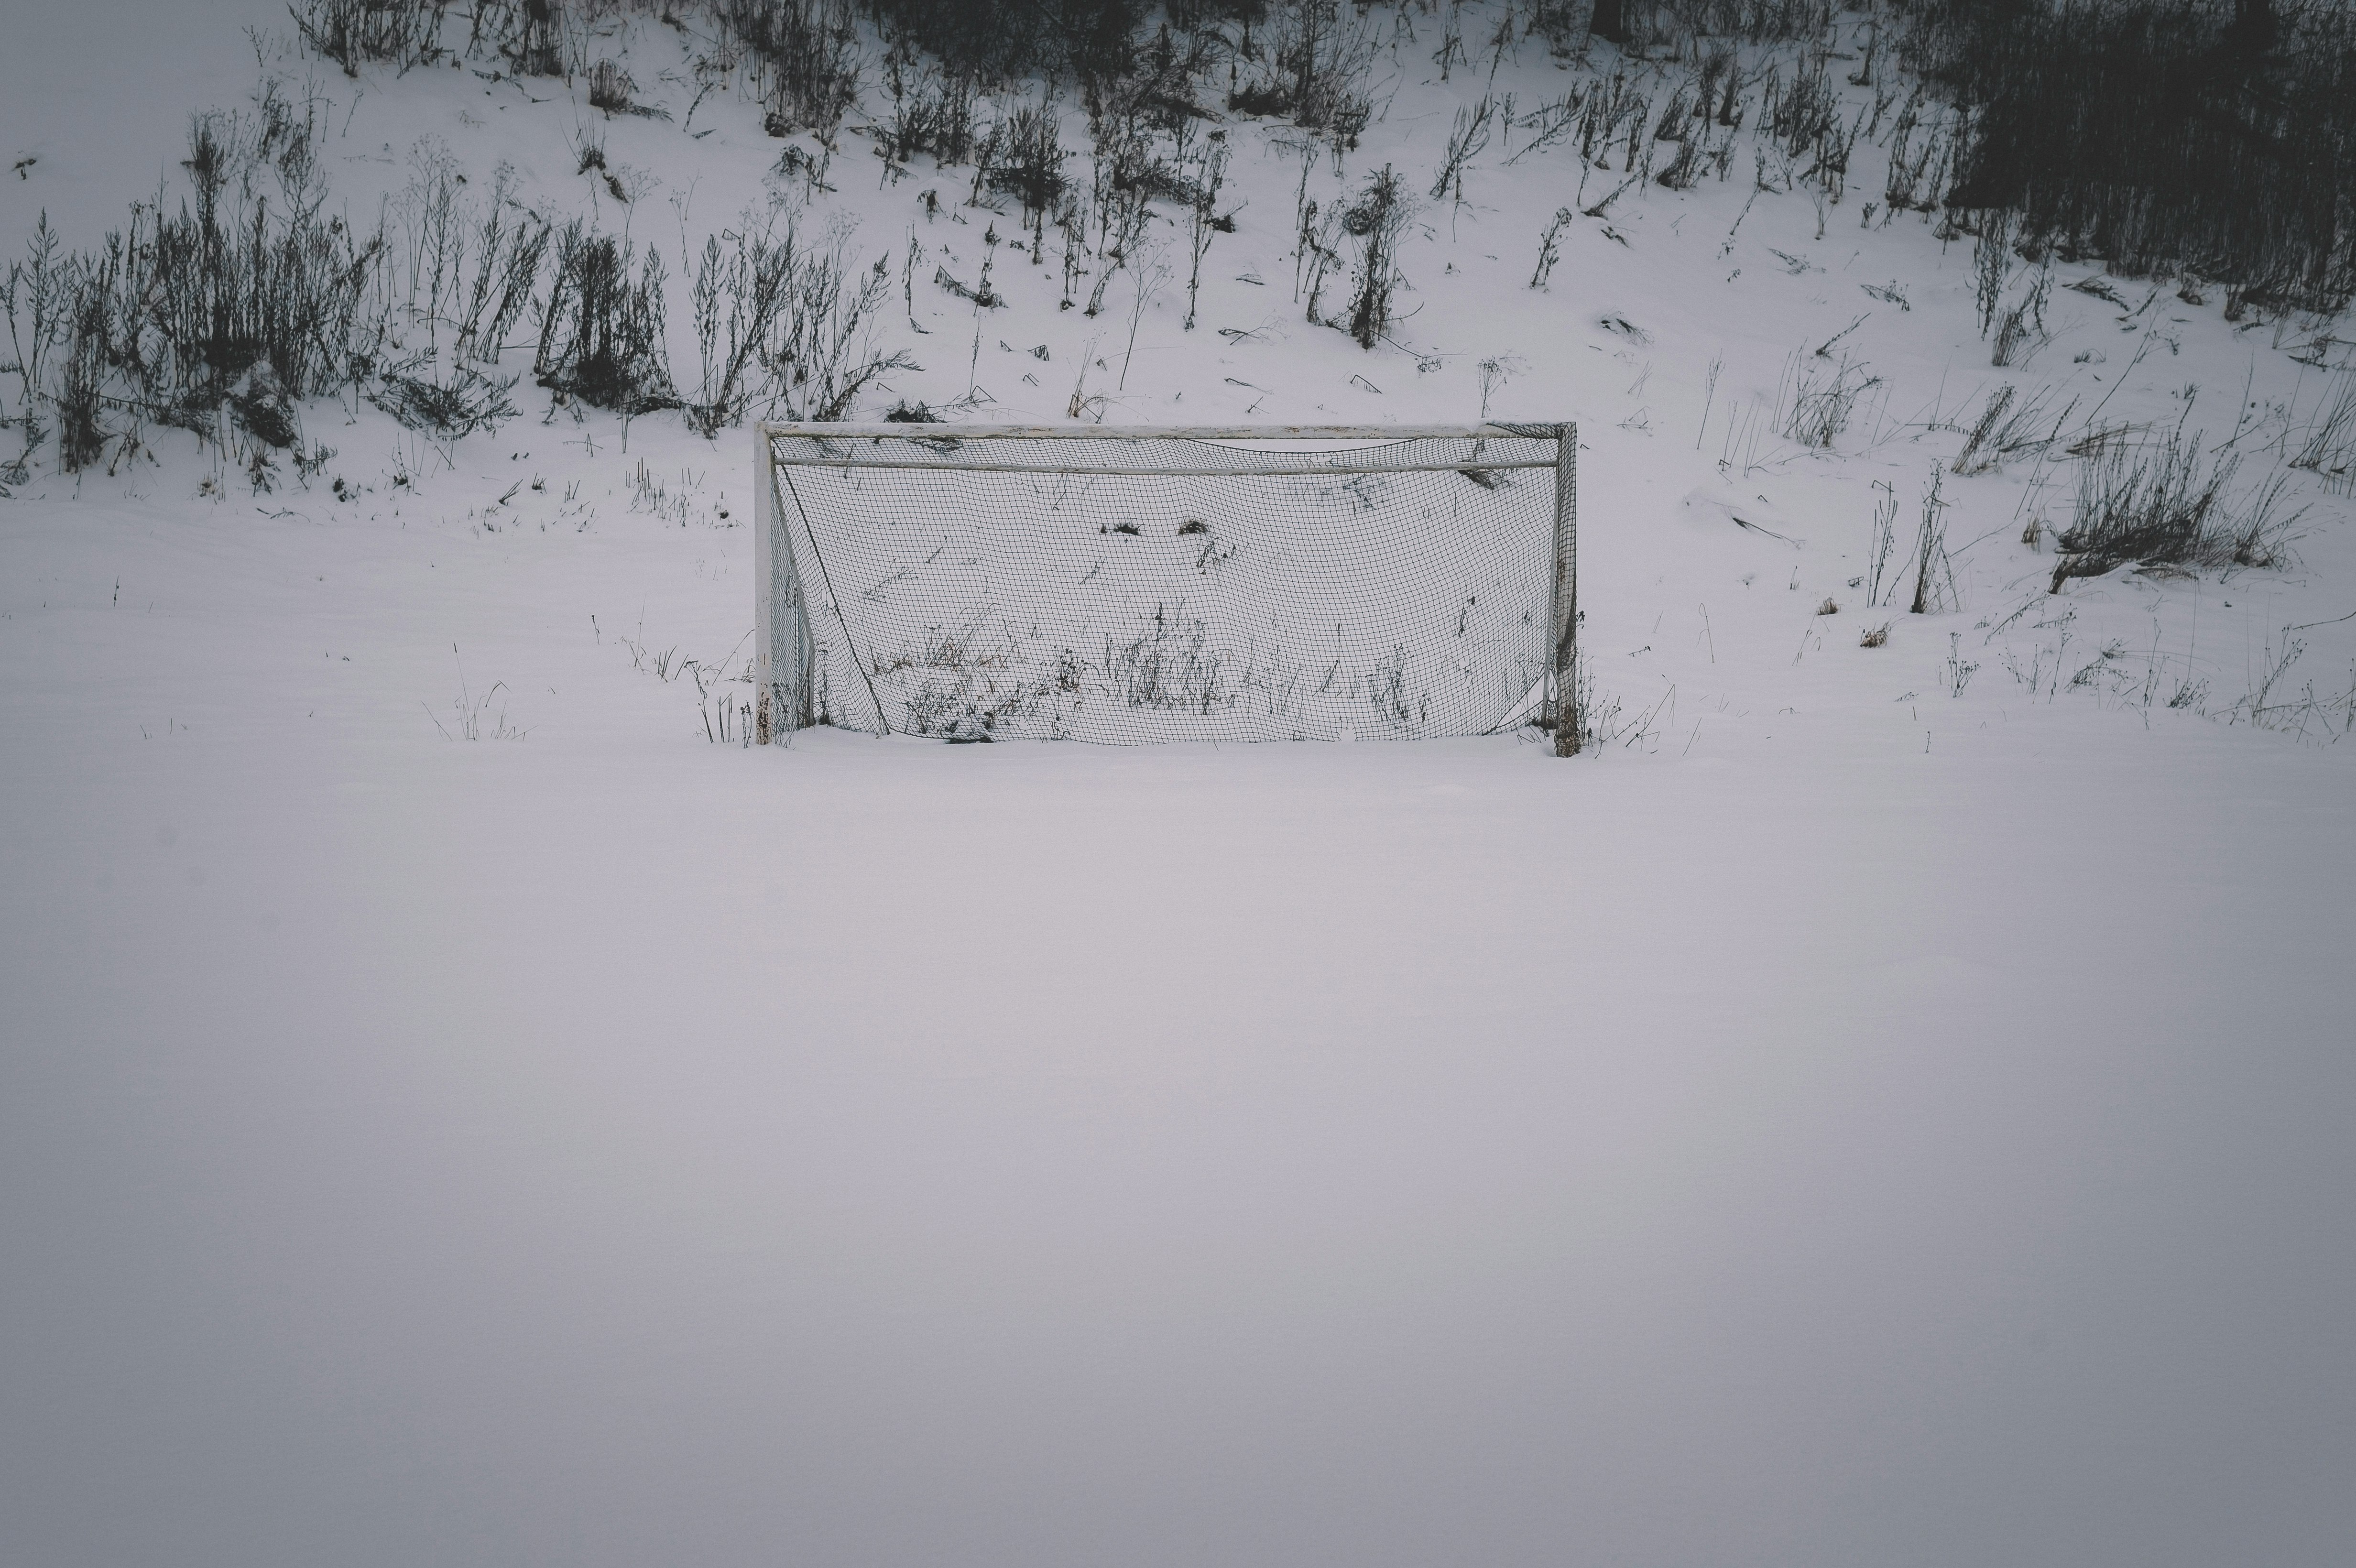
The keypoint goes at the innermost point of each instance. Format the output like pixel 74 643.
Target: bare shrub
pixel 612 90
pixel 932 110
pixel 1800 118
pixel 531 35
pixel 1681 22
pixel 1550 247
pixel 601 335
pixel 2010 428
pixel 1027 158
pixel 785 326
pixel 82 432
pixel 356 33
pixel 2327 449
pixel 231 311
pixel 1922 142
pixel 1467 139
pixel 1376 220
pixel 807 59
pixel 1934 577
pixel 2162 505
pixel 1168 664
pixel 1203 217
pixel 449 406
pixel 825 353
pixel 1316 57
pixel 1819 398
pixel 2022 328
pixel 1885 543
pixel 34 293
pixel 1991 264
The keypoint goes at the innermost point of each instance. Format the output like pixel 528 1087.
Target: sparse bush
pixel 2022 329
pixel 2005 429
pixel 1678 23
pixel 809 59
pixel 228 309
pixel 2161 506
pixel 1467 139
pixel 82 432
pixel 1027 156
pixel 613 89
pixel 601 335
pixel 785 327
pixel 610 87
pixel 2327 449
pixel 1934 576
pixel 35 294
pixel 932 112
pixel 1959 669
pixel 457 405
pixel 1800 118
pixel 1316 56
pixel 356 33
pixel 1550 247
pixel 1167 664
pixel 1885 544
pixel 1202 211
pixel 741 290
pixel 529 35
pixel 1127 176
pixel 1819 398
pixel 1376 220
pixel 1923 149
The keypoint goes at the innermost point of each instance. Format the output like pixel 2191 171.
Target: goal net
pixel 1126 585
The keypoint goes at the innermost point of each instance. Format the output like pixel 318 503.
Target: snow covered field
pixel 1889 1104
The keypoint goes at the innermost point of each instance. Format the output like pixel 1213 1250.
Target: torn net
pixel 1127 607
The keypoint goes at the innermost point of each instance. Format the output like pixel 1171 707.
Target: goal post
pixel 1126 583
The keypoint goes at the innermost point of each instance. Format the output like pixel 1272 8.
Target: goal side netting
pixel 1125 586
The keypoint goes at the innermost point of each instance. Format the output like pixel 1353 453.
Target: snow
pixel 1848 1120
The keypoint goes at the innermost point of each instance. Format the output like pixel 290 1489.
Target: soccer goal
pixel 1126 584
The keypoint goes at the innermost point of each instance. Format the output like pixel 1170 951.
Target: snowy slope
pixel 1886 1106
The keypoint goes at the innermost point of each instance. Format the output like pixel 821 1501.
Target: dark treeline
pixel 2201 139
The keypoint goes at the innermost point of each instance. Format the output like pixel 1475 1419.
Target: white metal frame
pixel 785 648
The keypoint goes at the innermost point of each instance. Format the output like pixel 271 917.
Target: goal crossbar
pixel 1076 431
pixel 846 633
pixel 1109 470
